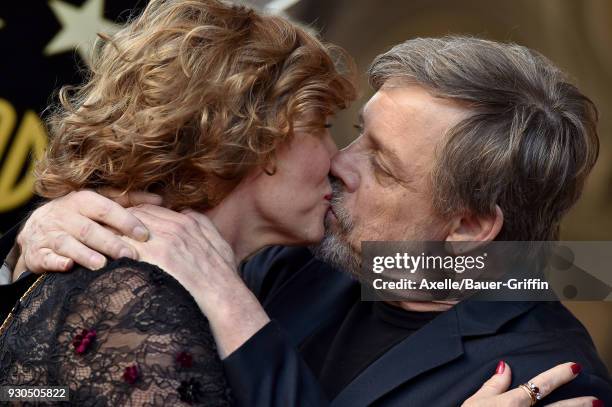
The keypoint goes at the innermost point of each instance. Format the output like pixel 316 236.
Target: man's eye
pixel 379 169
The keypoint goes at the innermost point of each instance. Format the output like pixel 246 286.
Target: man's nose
pixel 344 167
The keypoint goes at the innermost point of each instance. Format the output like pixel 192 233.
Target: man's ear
pixel 475 228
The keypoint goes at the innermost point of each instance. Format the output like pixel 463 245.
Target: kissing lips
pixel 331 213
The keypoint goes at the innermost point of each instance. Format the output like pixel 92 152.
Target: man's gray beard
pixel 338 253
pixel 335 249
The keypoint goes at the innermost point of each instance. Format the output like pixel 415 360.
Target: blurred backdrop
pixel 45 44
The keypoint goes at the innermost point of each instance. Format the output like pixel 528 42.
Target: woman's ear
pixel 270 167
pixel 471 229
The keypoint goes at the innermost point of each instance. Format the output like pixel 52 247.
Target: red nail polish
pixel 598 403
pixel 576 368
pixel 501 366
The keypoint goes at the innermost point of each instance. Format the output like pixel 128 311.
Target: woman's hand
pixel 493 393
pixel 69 229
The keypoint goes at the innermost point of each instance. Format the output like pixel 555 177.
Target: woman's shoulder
pixel 121 274
pixel 113 333
pixel 123 270
pixel 148 292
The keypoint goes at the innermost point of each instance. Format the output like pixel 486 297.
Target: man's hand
pixel 188 247
pixel 493 393
pixel 66 230
pixel 185 245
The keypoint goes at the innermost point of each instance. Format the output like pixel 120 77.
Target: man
pixel 464 140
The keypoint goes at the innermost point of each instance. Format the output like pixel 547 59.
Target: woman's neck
pixel 240 227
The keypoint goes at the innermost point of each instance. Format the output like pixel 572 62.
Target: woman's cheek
pixel 323 165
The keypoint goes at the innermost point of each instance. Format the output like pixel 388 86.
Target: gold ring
pixel 532 391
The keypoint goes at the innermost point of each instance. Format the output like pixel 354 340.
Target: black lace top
pixel 127 335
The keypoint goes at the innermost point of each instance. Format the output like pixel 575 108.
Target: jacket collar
pixel 437 343
pixel 313 296
pixel 485 317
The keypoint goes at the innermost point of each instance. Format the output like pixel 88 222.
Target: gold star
pixel 80 26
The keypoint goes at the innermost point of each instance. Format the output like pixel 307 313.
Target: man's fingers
pixel 142 197
pixel 52 262
pixel 578 402
pixel 174 221
pixel 150 220
pixel 497 384
pixel 99 238
pixel 67 246
pixel 55 262
pixel 162 213
pixel 555 377
pixel 102 209
pixel 154 223
pixel 132 198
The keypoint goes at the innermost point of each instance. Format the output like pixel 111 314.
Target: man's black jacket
pixel 442 364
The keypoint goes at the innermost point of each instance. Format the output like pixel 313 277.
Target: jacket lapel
pixel 433 345
pixel 437 343
pixel 314 295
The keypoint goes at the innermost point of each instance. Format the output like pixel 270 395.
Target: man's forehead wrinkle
pixel 402 128
pixel 388 105
pixel 392 137
pixel 408 111
pixel 426 103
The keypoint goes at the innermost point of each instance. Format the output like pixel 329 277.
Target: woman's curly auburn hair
pixel 186 99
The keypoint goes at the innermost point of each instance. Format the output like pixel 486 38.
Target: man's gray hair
pixel 529 144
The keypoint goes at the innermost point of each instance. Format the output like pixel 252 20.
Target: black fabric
pixel 126 335
pixel 441 364
pixel 9 294
pixel 337 354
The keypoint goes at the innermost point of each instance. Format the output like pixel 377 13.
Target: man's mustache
pixel 337 205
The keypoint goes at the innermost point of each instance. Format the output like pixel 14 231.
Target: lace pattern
pixel 127 335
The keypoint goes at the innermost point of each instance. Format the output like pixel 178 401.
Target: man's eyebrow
pixel 388 153
pixel 378 145
pixel 399 174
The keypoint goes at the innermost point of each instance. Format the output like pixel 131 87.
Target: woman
pixel 200 102
pixel 219 110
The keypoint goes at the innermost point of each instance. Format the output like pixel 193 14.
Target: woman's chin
pixel 314 238
pixel 315 235
pixel 310 233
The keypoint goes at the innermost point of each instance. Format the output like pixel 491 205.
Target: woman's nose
pixel 344 167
